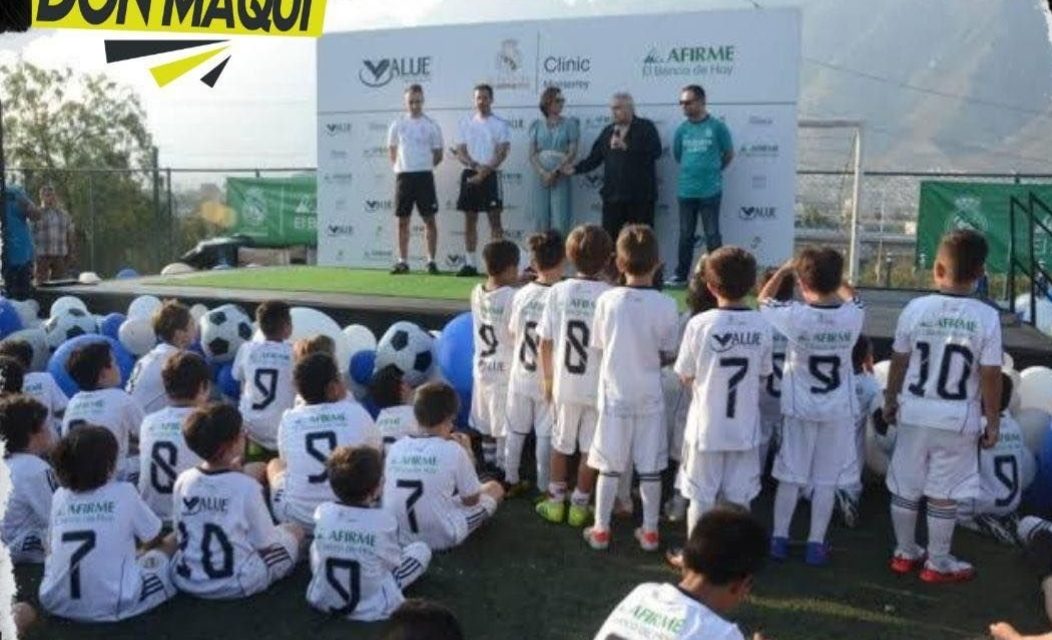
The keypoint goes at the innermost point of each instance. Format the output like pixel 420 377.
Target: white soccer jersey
pixel 306 438
pixel 90 572
pixel 818 376
pixel 424 480
pixel 728 354
pixel 490 311
pixel 771 395
pixel 111 408
pixel 664 612
pixel 222 523
pixel 396 423
pixel 145 383
pixel 264 370
pixel 29 507
pixel 164 455
pixel 41 386
pixel 870 398
pixel 526 309
pixel 633 326
pixel 1004 470
pixel 567 322
pixel 416 140
pixel 948 338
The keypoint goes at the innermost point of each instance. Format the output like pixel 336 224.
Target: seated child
pixel 25 430
pixel 175 329
pixel 40 385
pixel 394 397
pixel 264 370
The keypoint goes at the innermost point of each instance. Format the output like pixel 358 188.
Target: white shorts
pixel 489 409
pixel 708 475
pixel 526 414
pixel 574 428
pixel 286 510
pixel 154 587
pixel 643 439
pixel 263 433
pixel 28 548
pixel 259 571
pixel 459 525
pixel 817 453
pixel 385 589
pixel 936 463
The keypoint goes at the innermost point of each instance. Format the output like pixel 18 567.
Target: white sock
pixel 469 258
pixel 430 257
pixel 695 510
pixel 904 523
pixel 489 451
pixel 941 521
pixel 501 461
pixel 605 492
pixel 822 501
pixel 784 506
pixel 544 460
pixel 557 491
pixel 1030 525
pixel 513 457
pixel 650 493
pixel 579 498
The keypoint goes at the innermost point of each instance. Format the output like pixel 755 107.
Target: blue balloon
pixel 454 350
pixel 463 421
pixel 197 348
pixel 225 381
pixel 369 405
pixel 10 321
pixel 362 365
pixel 127 272
pixel 111 324
pixel 56 366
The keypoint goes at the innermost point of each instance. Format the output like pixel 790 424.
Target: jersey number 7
pixel 87 543
pixel 417 490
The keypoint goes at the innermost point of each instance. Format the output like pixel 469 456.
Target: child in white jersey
pixel 228 546
pixel 40 385
pixel 102 402
pixel 394 397
pixel 353 537
pixel 870 399
pixel 93 571
pixel 635 328
pixel 25 430
pixel 309 433
pixel 771 398
pixel 721 558
pixel 175 329
pixel 527 408
pixel 264 370
pixel 818 393
pixel 571 371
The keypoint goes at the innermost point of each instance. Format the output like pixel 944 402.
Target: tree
pixel 87 135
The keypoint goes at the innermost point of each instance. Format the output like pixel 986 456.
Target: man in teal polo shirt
pixel 17 268
pixel 703 149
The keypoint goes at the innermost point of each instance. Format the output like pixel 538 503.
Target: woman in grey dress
pixel 553 146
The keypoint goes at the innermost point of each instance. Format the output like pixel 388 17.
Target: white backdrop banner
pixel 748 62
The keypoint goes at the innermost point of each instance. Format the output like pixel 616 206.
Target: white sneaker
pixel 947 569
pixel 648 540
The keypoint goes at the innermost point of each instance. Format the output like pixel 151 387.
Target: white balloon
pixel 436 333
pixel 197 311
pixel 359 338
pixel 143 306
pixel 58 307
pixel 878 448
pixel 1036 388
pixel 27 312
pixel 137 336
pixel 307 323
pixel 89 277
pixel 880 372
pixel 1044 312
pixel 176 268
pixel 37 340
pixel 1007 361
pixel 1034 424
pixel 1015 402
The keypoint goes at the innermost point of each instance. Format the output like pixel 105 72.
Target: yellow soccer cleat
pixel 579 516
pixel 552 510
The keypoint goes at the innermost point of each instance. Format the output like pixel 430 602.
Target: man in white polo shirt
pixel 483 141
pixel 414 142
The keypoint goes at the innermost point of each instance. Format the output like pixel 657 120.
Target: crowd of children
pixel 161 490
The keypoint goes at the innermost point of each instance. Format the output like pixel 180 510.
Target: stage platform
pixel 1026 345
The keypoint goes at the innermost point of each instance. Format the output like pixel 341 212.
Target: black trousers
pixel 18 281
pixel 618 214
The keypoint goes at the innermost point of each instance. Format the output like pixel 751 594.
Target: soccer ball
pixel 67 325
pixel 223 330
pixel 408 347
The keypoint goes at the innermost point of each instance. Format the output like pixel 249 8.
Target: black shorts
pixel 415 188
pixel 480 197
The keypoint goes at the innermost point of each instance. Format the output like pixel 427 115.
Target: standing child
pixel 570 371
pixel 176 330
pixel 725 358
pixel 948 348
pixel 24 428
pixel 818 393
pixel 771 397
pixel 298 479
pixel 635 328
pixel 430 483
pixel 490 310
pixel 228 545
pixel 527 408
pixel 187 384
pixel 264 370
pixel 39 385
pixel 394 397
pixel 93 571
pixel 351 536
pixel 868 393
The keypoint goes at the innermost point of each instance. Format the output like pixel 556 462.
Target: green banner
pixel 987 208
pixel 275 212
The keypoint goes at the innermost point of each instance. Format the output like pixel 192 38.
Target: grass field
pixel 520 578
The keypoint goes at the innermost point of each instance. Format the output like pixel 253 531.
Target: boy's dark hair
pixel 1007 387
pixel 21 417
pixel 386 387
pixel 731 271
pixel 589 248
pixel 354 473
pixel 499 256
pixel 435 403
pixel 417 619
pixel 171 317
pixel 208 429
pixel 482 86
pixel 12 375
pixel 85 458
pixel 87 363
pixel 312 376
pixel 820 269
pixel 414 88
pixel 183 375
pixel 273 317
pixel 785 289
pixel 547 249
pixel 695 89
pixel 862 349
pixel 320 343
pixel 727 544
pixel 699 299
pixel 637 249
pixel 964 254
pixel 18 349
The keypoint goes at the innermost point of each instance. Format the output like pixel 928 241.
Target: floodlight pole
pixel 856 193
